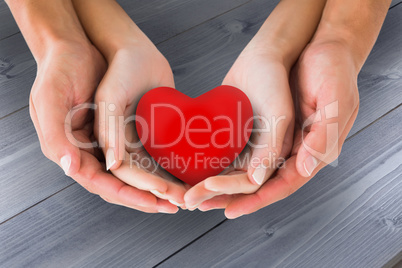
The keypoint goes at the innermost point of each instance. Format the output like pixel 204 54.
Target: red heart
pixel 194 138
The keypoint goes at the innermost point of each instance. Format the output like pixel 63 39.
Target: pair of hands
pixel 308 111
pixel 72 74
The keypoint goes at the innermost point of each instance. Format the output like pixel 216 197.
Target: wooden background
pixel 348 216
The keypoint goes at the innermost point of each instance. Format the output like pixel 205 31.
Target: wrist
pixel 353 25
pixel 341 40
pixel 46 24
pixel 273 50
pixel 129 41
pixel 109 36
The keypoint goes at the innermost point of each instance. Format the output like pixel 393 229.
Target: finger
pixel 274 122
pixel 268 147
pixel 143 209
pixel 273 190
pixel 109 130
pixel 285 183
pixel 217 202
pixel 92 177
pixel 230 184
pixel 196 195
pixel 139 178
pixel 218 186
pixel 164 206
pixel 321 142
pixel 159 181
pixel 54 129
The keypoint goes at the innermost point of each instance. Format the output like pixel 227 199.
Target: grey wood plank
pixel 17 74
pixel 396 262
pixel 77 229
pixel 26 176
pixel 161 19
pixel 8 26
pixel 380 81
pixel 348 216
pixel 395 2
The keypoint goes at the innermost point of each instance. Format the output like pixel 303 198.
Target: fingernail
pixel 176 203
pixel 206 209
pixel 167 211
pixel 209 187
pixel 234 216
pixel 194 207
pixel 310 164
pixel 259 174
pixel 158 194
pixel 65 163
pixel 110 159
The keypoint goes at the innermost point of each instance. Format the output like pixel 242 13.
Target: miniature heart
pixel 194 138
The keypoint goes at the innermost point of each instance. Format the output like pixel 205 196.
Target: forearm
pixel 44 23
pixel 353 24
pixel 108 26
pixel 288 29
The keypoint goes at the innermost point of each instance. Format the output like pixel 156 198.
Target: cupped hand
pixel 324 85
pixel 131 73
pixel 265 81
pixel 60 107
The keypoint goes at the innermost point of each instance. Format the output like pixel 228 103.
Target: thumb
pixel 320 138
pixel 109 125
pixel 54 133
pixel 268 146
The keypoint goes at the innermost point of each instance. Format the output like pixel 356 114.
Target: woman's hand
pixel 264 79
pixel 131 73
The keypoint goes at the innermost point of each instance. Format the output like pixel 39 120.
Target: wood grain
pixel 17 74
pixel 26 176
pixel 348 216
pixel 380 81
pixel 8 26
pixel 77 229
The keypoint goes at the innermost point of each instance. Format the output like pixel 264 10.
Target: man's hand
pixel 130 75
pixel 324 85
